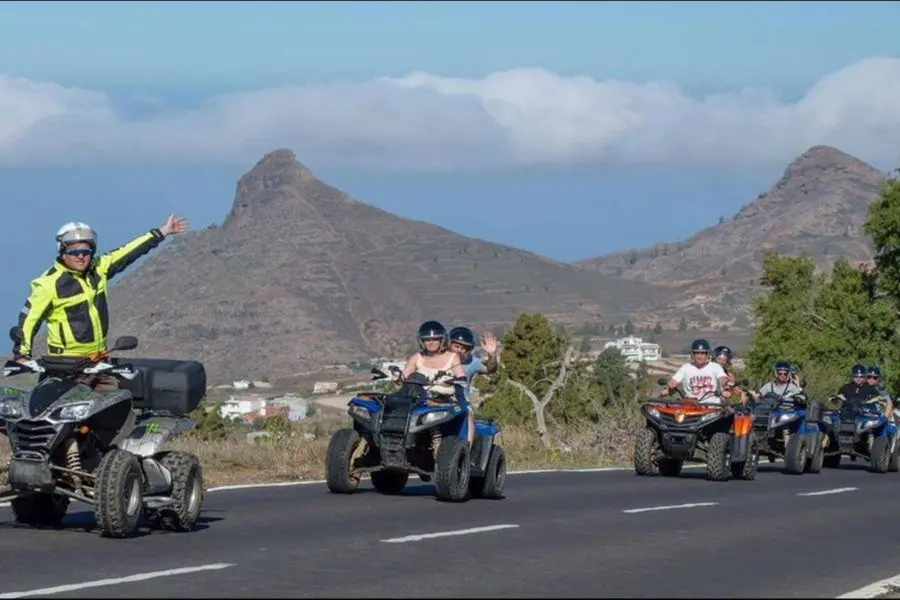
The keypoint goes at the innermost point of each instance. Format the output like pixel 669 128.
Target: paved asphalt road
pixel 572 534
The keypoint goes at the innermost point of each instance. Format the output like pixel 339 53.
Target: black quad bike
pixel 70 442
pixel 677 431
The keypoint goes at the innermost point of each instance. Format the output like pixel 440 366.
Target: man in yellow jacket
pixel 71 295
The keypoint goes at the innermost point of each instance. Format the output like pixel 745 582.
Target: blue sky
pixel 595 114
pixel 704 46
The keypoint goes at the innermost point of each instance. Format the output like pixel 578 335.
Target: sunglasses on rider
pixel 79 252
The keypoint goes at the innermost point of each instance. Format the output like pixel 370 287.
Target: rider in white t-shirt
pixel 700 377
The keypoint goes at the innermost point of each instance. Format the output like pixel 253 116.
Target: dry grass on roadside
pixel 301 454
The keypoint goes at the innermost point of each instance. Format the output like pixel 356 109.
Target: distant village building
pixel 635 349
pixel 242 405
pixel 325 387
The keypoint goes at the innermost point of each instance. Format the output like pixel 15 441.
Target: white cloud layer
pixel 518 117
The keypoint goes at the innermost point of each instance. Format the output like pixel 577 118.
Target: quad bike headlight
pixel 709 416
pixel 11 409
pixel 360 411
pixel 869 424
pixel 433 417
pixel 653 413
pixel 776 420
pixel 75 412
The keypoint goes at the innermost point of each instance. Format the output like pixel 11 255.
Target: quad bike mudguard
pixel 742 431
pixel 148 436
pixel 146 440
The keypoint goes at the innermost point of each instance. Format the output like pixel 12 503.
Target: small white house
pixel 235 407
pixel 635 349
pixel 325 387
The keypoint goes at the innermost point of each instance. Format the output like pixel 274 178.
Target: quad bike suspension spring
pixel 435 442
pixel 73 462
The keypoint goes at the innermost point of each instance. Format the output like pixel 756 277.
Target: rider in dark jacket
pixel 857 391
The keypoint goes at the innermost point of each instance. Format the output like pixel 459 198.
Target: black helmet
pixel 873 371
pixel 700 346
pixel 858 370
pixel 463 336
pixel 782 365
pixel 432 330
pixel 723 350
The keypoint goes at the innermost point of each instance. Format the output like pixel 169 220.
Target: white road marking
pixel 72 587
pixel 828 492
pixel 632 511
pixel 874 590
pixel 426 536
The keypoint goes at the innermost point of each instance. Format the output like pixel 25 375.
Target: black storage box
pixel 175 386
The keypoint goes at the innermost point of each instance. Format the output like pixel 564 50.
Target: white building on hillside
pixel 635 349
pixel 235 407
pixel 325 387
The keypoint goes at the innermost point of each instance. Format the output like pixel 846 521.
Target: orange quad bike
pixel 680 430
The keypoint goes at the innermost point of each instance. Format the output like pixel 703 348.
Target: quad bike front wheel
pixel 187 491
pixel 894 464
pixel 718 457
pixel 645 446
pixel 452 470
pixel 796 454
pixel 118 494
pixel 880 455
pixel 39 509
pixel 493 483
pixel 342 449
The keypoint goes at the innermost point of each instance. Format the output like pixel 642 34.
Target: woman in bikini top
pixel 435 356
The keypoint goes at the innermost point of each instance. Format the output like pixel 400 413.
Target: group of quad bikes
pixel 106 448
pixel 730 439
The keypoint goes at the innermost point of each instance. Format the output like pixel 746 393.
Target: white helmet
pixel 75 231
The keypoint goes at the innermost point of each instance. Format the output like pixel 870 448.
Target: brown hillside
pixel 816 208
pixel 300 275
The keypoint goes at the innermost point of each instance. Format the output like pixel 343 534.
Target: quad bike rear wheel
pixel 815 462
pixel 747 469
pixel 187 490
pixel 493 483
pixel 39 509
pixel 894 464
pixel 118 494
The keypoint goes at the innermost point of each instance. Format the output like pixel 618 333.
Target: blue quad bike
pixel 860 430
pixel 789 428
pixel 415 430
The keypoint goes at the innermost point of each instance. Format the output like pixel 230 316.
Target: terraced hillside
pixel 300 275
pixel 817 207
